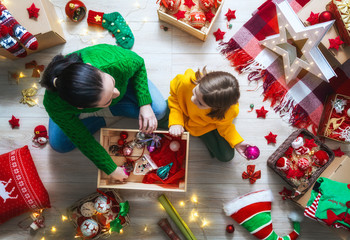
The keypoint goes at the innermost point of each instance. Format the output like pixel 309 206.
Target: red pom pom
pixel 4 30
pixel 321 157
pixel 124 135
pixel 121 142
pixel 283 164
pixel 230 228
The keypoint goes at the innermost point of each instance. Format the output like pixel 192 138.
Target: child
pixel 205 105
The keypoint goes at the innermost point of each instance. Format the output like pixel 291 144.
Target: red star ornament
pixel 310 143
pixel 189 3
pixel 209 16
pixel 313 19
pixel 231 14
pixel 14 122
pixel 251 175
pixel 271 138
pixel 219 35
pixel 338 152
pixel 289 152
pixel 180 14
pixel 261 112
pixel 33 11
pixel 335 43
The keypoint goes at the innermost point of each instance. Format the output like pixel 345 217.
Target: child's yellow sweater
pixel 195 120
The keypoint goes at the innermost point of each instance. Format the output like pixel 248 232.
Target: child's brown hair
pixel 220 91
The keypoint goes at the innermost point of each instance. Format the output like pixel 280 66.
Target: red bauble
pixel 172 5
pixel 124 135
pixel 121 142
pixel 230 228
pixel 206 5
pixel 325 16
pixel 75 10
pixel 303 164
pixel 197 19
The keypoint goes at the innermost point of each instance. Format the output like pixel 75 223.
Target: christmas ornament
pixel 166 227
pixel 189 3
pixel 114 149
pixel 28 95
pixel 197 19
pixel 251 174
pixel 88 209
pixel 230 14
pixel 303 164
pixel 171 5
pixel 127 151
pixel 163 172
pixel 89 228
pixel 289 152
pixel 102 204
pixel 345 134
pixel 338 152
pixel 114 23
pixel 335 43
pixel 75 10
pixel 298 142
pixel 174 146
pixel 271 138
pixel 348 112
pixel 230 228
pixel 180 14
pixel 302 150
pixel 14 122
pixel 40 135
pixel 261 113
pixel 310 143
pixel 124 135
pixel 339 105
pixel 295 58
pixel 253 212
pixel 285 193
pixel 38 223
pixel 154 140
pixel 121 142
pixel 219 35
pixel 33 11
pixel 206 5
pixel 283 164
pixel 209 16
pixel 313 19
pixel 251 106
pixel 144 165
pixel 321 157
pixel 252 152
pixel 325 16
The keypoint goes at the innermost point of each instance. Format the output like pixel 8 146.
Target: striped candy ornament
pixel 253 212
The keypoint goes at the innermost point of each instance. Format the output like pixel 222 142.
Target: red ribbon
pixel 251 174
pixel 36 68
pixel 109 198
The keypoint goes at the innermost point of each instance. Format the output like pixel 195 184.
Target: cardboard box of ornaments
pixel 153 161
pixel 189 23
pixel 46 28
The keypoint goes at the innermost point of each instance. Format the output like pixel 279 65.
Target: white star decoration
pixel 298 45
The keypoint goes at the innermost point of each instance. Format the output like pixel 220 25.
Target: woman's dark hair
pixel 76 82
pixel 220 91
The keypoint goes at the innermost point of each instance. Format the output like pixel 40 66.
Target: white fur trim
pixel 253 197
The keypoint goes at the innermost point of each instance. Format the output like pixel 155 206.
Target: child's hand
pixel 119 175
pixel 176 130
pixel 241 147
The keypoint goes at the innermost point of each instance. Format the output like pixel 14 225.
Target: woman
pixel 97 78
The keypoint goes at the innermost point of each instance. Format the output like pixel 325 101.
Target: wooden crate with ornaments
pixel 153 161
pixel 335 120
pixel 196 18
pixel 341 12
pixel 300 160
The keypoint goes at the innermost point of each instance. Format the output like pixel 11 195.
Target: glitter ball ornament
pixel 252 152
pixel 206 5
pixel 172 5
pixel 89 228
pixel 321 157
pixel 283 164
pixel 174 146
pixel 303 164
pixel 230 228
pixel 197 19
pixel 127 151
pixel 298 142
pixel 102 204
pixel 325 16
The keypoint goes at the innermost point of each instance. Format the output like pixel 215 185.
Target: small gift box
pixel 335 122
pixel 341 13
pixel 300 160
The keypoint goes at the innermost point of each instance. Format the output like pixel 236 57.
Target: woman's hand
pixel 119 175
pixel 147 120
pixel 176 130
pixel 241 147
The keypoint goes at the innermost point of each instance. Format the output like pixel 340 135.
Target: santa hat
pixel 253 212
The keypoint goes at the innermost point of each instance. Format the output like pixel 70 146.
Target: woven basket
pixel 271 162
pixel 91 198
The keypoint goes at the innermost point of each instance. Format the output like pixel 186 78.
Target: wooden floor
pixel 68 177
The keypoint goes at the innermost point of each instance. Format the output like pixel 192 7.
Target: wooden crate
pixel 110 136
pixel 200 34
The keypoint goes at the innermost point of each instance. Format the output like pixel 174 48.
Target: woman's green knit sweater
pixel 124 65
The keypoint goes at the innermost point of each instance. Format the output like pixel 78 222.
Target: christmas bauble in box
pixel 206 5
pixel 172 5
pixel 75 10
pixel 197 19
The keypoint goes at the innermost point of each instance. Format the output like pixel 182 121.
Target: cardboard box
pixel 331 122
pixel 338 170
pixel 110 137
pixel 45 28
pixel 334 57
pixel 200 34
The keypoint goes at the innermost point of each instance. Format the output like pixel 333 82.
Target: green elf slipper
pixel 114 23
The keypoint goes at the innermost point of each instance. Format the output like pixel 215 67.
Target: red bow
pixel 251 175
pixel 36 68
pixel 332 218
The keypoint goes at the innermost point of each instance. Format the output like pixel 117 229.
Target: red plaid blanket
pixel 300 101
